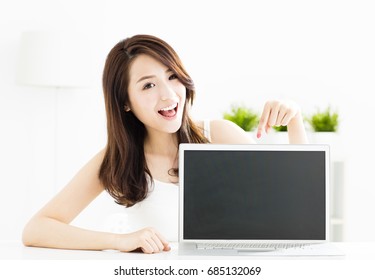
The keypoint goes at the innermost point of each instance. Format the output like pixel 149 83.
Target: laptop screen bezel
pixel 252 147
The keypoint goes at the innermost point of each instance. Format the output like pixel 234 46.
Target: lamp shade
pixel 54 59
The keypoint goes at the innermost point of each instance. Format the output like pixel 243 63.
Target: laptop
pixel 254 200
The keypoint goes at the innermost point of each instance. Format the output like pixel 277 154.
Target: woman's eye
pixel 148 86
pixel 173 76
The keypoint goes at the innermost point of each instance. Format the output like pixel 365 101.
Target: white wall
pixel 318 53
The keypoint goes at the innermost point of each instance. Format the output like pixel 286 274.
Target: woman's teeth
pixel 169 111
pixel 169 107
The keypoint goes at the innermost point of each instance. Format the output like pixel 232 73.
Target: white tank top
pixel 160 208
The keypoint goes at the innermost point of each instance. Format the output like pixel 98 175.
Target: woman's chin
pixel 172 127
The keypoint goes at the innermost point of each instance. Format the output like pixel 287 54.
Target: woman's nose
pixel 167 92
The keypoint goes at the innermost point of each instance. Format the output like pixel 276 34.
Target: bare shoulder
pixel 226 132
pixel 90 171
pixel 97 159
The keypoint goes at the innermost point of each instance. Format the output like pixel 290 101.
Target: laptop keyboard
pixel 251 246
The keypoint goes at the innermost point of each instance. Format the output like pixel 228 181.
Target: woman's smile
pixel 155 88
pixel 169 112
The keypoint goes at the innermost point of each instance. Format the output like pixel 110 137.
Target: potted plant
pixel 244 117
pixel 279 135
pixel 324 125
pixel 324 121
pixel 280 128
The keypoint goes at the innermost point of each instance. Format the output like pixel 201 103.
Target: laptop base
pixel 320 249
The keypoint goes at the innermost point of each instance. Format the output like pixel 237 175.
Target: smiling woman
pixel 147 94
pixel 153 87
pixel 161 93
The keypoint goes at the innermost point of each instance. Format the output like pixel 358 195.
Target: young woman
pixel 147 94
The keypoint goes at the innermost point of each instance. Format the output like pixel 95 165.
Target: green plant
pixel 244 117
pixel 326 121
pixel 280 128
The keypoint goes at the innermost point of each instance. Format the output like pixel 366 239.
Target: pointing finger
pixel 263 120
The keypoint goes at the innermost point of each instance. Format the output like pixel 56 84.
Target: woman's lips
pixel 170 111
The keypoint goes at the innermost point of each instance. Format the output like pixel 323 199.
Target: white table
pixel 19 262
pixel 16 251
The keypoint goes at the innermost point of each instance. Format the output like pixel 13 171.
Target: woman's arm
pixel 227 132
pixel 51 228
pixel 275 113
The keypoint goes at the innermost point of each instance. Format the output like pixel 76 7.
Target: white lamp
pixel 54 59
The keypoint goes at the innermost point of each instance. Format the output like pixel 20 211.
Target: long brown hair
pixel 124 172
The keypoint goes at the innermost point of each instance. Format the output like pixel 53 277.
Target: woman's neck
pixel 161 152
pixel 160 143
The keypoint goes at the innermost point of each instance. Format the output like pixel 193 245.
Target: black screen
pixel 268 195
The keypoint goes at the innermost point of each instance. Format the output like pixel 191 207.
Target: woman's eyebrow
pixel 151 76
pixel 145 78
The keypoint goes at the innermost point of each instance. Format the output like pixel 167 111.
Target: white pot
pixel 273 137
pixel 329 138
pixel 323 137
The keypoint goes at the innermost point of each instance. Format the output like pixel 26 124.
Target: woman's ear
pixel 127 108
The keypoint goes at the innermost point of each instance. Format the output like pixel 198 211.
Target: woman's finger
pixel 263 120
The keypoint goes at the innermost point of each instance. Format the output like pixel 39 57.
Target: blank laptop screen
pixel 254 195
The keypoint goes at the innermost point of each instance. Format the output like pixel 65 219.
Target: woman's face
pixel 157 97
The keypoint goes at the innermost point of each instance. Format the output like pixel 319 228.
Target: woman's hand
pixel 148 240
pixel 276 113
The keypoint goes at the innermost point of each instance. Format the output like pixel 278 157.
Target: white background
pixel 317 53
